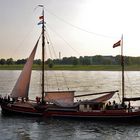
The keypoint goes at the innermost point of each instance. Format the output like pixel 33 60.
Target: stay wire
pixel 131 87
pixel 51 57
pixel 26 37
pixel 51 44
pixel 120 89
pixel 64 40
pixel 76 27
pixel 66 83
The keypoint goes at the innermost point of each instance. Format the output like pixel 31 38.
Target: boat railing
pixel 135 108
pixel 34 101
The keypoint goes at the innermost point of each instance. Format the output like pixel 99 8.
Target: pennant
pixel 41 5
pixel 41 22
pixel 41 17
pixel 117 44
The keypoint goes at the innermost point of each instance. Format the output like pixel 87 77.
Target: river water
pixel 27 128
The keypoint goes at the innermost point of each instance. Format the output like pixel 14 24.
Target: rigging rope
pixel 131 87
pixel 66 83
pixel 64 40
pixel 51 45
pixel 76 27
pixel 51 57
pixel 26 38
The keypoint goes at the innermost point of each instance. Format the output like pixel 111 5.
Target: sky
pixel 75 27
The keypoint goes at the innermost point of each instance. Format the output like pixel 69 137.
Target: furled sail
pixel 104 97
pixel 100 99
pixel 22 85
pixel 62 98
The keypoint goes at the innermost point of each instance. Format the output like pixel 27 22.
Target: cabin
pixel 89 106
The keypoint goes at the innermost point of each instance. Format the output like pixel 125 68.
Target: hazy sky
pixel 67 22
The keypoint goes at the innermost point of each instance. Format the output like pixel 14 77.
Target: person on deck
pixel 8 99
pixel 1 99
pixel 37 99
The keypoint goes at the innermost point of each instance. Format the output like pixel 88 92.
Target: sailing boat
pixel 61 103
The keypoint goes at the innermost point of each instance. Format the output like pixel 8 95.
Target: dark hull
pixel 16 110
pixel 108 115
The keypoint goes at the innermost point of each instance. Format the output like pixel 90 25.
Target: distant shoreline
pixel 75 67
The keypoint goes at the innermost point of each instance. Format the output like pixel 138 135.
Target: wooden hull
pixel 19 110
pixel 107 115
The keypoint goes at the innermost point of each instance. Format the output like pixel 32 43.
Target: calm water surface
pixel 25 128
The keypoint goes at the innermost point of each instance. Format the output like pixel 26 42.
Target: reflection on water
pixel 24 128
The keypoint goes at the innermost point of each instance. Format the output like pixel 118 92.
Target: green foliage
pixel 73 67
pixel 2 61
pixel 49 62
pixel 37 61
pixel 10 61
pixel 86 60
pixel 21 61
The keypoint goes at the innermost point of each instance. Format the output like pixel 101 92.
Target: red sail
pixel 63 98
pixel 22 85
pixel 104 97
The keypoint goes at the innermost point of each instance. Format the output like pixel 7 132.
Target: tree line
pixel 82 60
pixel 96 60
pixel 10 61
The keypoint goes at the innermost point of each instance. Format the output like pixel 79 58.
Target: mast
pixel 120 43
pixel 122 64
pixel 43 55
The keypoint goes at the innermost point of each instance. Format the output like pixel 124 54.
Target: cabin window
pixel 85 106
pixel 91 106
